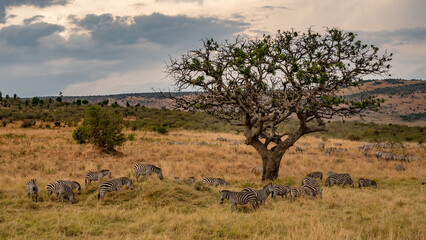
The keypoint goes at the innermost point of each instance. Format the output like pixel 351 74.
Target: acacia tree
pixel 260 83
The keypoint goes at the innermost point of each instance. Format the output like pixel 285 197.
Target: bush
pixel 162 130
pixel 28 123
pixel 131 137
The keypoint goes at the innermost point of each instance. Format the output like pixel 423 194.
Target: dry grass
pixel 174 210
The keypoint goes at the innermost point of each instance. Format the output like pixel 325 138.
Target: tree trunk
pixel 271 165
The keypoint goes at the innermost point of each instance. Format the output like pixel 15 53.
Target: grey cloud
pixel 181 1
pixel 38 3
pixel 267 7
pixel 28 35
pixel 33 19
pixel 397 37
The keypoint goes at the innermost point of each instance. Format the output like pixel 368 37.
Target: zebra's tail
pixel 99 195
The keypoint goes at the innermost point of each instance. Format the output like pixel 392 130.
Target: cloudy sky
pixel 90 47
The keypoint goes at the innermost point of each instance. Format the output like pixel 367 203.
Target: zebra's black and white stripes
pixel 213 181
pixel 72 184
pixel 280 190
pixel 262 194
pixel 313 190
pixel 147 169
pixel 315 175
pixel 60 190
pixel 309 181
pixel 362 182
pixel 240 198
pixel 338 179
pixel 32 189
pixel 96 176
pixel 114 185
pixel 297 192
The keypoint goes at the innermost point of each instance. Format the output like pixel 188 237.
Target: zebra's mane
pixel 105 170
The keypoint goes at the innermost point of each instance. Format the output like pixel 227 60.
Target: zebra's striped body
pixel 240 198
pixel 338 179
pixel 114 185
pixel 331 173
pixel 32 189
pixel 309 181
pixel 399 168
pixel 176 178
pixel 362 182
pixel 191 180
pixel 313 190
pixel 424 181
pixel 299 150
pixel 262 194
pixel 280 190
pixel 297 192
pixel 213 181
pixel 315 175
pixel 72 184
pixel 321 146
pixel 147 169
pixel 96 176
pixel 330 150
pixel 60 190
pixel 257 171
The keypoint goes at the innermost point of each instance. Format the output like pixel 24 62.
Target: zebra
pixel 32 189
pixel 341 150
pixel 262 194
pixel 338 179
pixel 362 182
pixel 72 184
pixel 321 146
pixel 299 149
pixel 257 171
pixel 399 168
pixel 280 190
pixel 96 176
pixel 313 190
pixel 191 180
pixel 424 181
pixel 60 189
pixel 213 181
pixel 114 184
pixel 315 175
pixel 176 178
pixel 241 198
pixel 297 192
pixel 309 181
pixel 329 150
pixel 331 173
pixel 147 169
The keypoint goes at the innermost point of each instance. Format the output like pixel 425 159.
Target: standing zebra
pixel 424 181
pixel 297 192
pixel 262 194
pixel 72 184
pixel 96 176
pixel 338 179
pixel 299 150
pixel 362 182
pixel 147 169
pixel 313 190
pixel 32 189
pixel 114 184
pixel 331 173
pixel 191 180
pixel 309 181
pixel 213 181
pixel 315 175
pixel 321 146
pixel 241 198
pixel 60 189
pixel 280 190
pixel 399 168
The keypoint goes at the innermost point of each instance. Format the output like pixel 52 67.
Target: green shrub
pixel 162 130
pixel 131 137
pixel 28 123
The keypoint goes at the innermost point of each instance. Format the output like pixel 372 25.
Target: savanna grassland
pixel 172 209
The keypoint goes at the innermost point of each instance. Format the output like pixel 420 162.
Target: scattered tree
pixel 259 84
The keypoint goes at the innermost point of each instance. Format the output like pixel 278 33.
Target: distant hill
pixel 405 100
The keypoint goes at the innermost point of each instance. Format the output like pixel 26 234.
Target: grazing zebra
pixel 338 179
pixel 241 198
pixel 96 176
pixel 400 168
pixel 329 150
pixel 315 175
pixel 176 178
pixel 297 192
pixel 262 194
pixel 341 150
pixel 424 181
pixel 114 184
pixel 321 146
pixel 331 173
pixel 280 190
pixel 313 190
pixel 147 169
pixel 191 180
pixel 257 171
pixel 362 182
pixel 309 181
pixel 213 181
pixel 299 150
pixel 60 189
pixel 32 189
pixel 72 184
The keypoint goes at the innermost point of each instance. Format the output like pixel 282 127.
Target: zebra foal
pixel 362 182
pixel 114 184
pixel 240 198
pixel 213 181
pixel 147 170
pixel 32 189
pixel 96 176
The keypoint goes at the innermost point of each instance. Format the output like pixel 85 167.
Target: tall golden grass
pixel 171 209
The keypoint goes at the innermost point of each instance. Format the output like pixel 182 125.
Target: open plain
pixel 171 209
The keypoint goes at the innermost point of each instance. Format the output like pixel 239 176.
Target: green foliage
pixel 162 130
pixel 102 127
pixel 413 117
pixel 131 137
